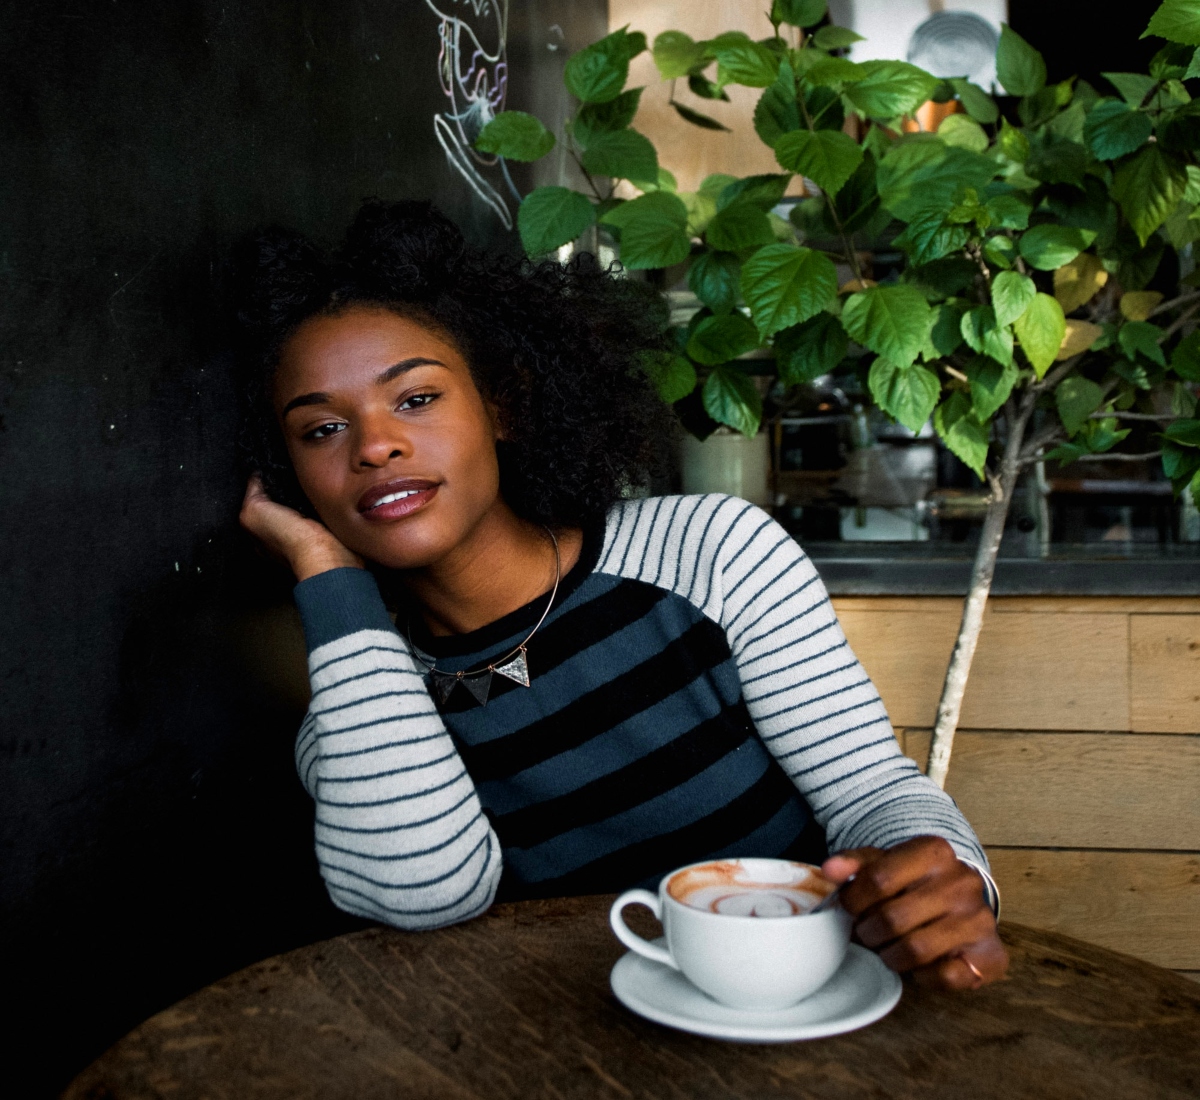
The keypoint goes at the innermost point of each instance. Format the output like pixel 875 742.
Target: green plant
pixel 1038 314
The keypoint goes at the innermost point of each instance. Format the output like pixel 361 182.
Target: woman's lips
pixel 395 499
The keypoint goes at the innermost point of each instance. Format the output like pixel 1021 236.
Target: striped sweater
pixel 692 697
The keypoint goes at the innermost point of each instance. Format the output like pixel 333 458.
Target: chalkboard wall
pixel 153 835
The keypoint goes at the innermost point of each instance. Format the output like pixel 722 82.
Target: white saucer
pixel 861 992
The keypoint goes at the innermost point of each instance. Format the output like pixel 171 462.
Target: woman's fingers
pixel 958 890
pixel 845 865
pixel 941 937
pixel 307 546
pixel 969 967
pixel 897 869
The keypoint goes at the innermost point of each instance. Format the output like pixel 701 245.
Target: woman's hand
pixel 923 910
pixel 307 546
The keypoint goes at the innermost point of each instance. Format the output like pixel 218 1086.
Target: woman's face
pixel 390 438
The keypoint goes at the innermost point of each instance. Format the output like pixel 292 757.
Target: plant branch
pixel 588 176
pixel 1179 322
pixel 1182 300
pixel 1135 416
pixel 1055 376
pixel 1117 456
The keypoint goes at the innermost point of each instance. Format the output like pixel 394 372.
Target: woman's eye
pixel 418 400
pixel 324 431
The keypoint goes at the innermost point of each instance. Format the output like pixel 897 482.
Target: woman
pixel 579 691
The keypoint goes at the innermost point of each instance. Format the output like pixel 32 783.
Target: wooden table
pixel 517 1004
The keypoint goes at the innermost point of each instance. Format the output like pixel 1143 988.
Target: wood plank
pixel 1165 673
pixel 1042 605
pixel 1075 790
pixel 1191 975
pixel 1031 671
pixel 1143 903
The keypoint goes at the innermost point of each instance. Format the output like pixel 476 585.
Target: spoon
pixel 830 900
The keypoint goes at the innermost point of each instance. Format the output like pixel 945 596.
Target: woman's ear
pixel 498 432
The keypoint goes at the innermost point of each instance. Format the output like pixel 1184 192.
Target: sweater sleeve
pixel 400 834
pixel 814 705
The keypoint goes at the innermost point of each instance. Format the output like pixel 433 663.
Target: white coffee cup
pixel 746 938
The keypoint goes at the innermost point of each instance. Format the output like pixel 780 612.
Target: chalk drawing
pixel 473 70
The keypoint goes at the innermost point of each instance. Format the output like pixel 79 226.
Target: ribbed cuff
pixel 991 891
pixel 339 602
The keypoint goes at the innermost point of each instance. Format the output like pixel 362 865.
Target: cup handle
pixel 631 939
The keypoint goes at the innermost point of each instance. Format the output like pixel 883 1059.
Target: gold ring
pixel 972 967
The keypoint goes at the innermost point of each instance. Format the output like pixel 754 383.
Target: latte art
pixel 750 888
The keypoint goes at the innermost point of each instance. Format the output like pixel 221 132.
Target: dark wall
pixel 153 835
pixel 1086 39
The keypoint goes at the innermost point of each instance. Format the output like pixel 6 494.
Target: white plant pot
pixel 728 462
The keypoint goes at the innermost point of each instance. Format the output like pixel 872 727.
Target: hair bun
pixel 406 245
pixel 276 274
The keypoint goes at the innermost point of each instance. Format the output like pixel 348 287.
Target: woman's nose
pixel 380 441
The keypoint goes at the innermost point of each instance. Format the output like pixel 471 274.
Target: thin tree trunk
pixel 950 704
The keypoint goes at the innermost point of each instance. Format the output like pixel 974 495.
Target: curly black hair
pixel 556 347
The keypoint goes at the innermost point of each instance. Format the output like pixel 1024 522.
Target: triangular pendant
pixel 517 668
pixel 479 686
pixel 443 684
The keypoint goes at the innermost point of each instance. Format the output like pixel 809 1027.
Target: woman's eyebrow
pixel 392 372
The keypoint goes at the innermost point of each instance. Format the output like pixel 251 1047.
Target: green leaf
pixel 550 217
pixel 963 131
pixel 827 157
pixel 835 38
pixel 777 112
pixel 713 278
pixel 983 335
pixel 946 335
pixel 1009 211
pixel 1066 453
pixel 1077 398
pixel 673 376
pixel 1041 328
pixel 892 321
pixel 1019 67
pixel 991 383
pixel 1185 433
pixel 833 70
pixel 784 285
pixel 730 397
pixel 599 118
pixel 1000 251
pixel 701 86
pixel 928 237
pixel 811 349
pixel 1012 142
pixel 1053 160
pixel 746 62
pixel 720 339
pixel 1011 295
pixel 1133 87
pixel 716 183
pixel 622 154
pixel 598 73
pixel 962 433
pixel 908 394
pixel 1185 359
pixel 919 176
pixel 1180 464
pixel 857 202
pixel 696 118
pixel 742 225
pixel 763 191
pixel 1049 246
pixel 976 102
pixel 1147 187
pixel 1176 21
pixel 889 89
pixel 798 13
pixel 675 54
pixel 1143 337
pixel 653 230
pixel 1193 69
pixel 1113 129
pixel 515 136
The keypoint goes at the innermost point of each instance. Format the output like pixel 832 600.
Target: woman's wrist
pixel 321 559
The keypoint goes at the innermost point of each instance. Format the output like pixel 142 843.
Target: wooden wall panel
pixel 1165 673
pixel 1031 671
pixel 1075 790
pixel 1143 903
